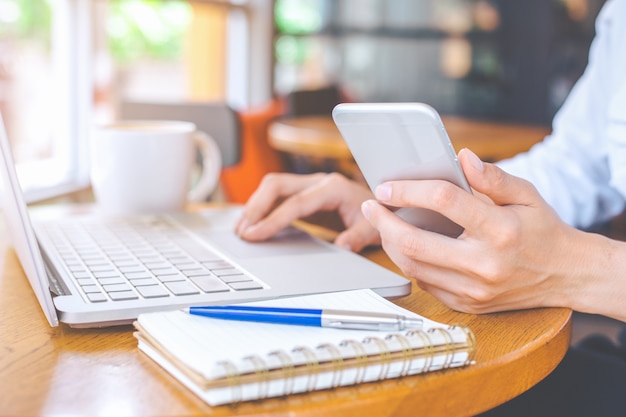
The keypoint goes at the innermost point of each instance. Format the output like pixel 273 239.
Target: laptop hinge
pixel 57 286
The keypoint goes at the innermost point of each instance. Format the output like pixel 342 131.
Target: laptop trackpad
pixel 289 241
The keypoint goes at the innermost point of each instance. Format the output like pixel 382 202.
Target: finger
pixel 461 302
pixel 467 291
pixel 441 196
pixel 491 180
pixel 405 243
pixel 358 236
pixel 273 187
pixel 456 290
pixel 319 195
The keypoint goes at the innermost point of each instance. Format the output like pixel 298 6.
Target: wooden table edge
pixel 552 346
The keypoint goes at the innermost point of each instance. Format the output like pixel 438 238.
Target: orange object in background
pixel 257 157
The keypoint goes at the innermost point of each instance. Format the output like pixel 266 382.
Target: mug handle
pixel 211 167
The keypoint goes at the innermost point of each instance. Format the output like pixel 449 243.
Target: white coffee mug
pixel 146 166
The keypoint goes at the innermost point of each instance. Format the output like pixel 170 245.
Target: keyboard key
pixel 153 291
pixel 181 260
pixel 181 288
pixel 85 281
pixel 245 285
pixel 143 281
pixel 195 272
pixel 209 283
pixel 157 265
pixel 165 271
pixel 189 266
pixel 131 268
pixel 137 275
pixel 116 287
pixel 226 271
pixel 101 268
pixel 124 260
pixel 96 261
pixel 172 278
pixel 91 289
pixel 112 280
pixel 107 274
pixel 96 297
pixel 220 264
pixel 234 278
pixel 123 295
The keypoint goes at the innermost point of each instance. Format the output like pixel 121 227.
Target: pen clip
pixel 399 325
pixel 337 324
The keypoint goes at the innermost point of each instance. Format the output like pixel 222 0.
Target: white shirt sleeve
pixel 575 167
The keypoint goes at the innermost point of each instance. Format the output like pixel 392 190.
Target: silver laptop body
pixel 75 263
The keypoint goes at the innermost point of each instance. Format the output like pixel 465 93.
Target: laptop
pixel 88 270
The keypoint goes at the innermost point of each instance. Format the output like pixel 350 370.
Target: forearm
pixel 596 281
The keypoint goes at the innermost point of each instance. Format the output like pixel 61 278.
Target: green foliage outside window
pixel 293 18
pixel 135 28
pixel 25 18
pixel 298 16
pixel 147 28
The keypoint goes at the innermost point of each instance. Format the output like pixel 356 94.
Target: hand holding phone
pixel 402 141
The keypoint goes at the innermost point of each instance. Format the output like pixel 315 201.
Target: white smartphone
pixel 402 141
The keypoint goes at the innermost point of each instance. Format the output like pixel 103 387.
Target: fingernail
pixel 475 160
pixel 242 226
pixel 366 208
pixel 345 246
pixel 383 192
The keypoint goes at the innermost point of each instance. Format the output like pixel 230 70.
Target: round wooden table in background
pixel 317 137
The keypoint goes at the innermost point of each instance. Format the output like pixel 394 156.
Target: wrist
pixel 595 283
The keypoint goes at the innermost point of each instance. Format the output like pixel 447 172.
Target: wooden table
pixel 65 371
pixel 317 137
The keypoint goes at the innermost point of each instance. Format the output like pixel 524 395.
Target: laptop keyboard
pixel 143 258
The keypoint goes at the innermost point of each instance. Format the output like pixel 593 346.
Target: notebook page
pixel 201 343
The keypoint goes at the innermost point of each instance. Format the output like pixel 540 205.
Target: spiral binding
pixel 288 371
pixel 471 342
pixel 429 350
pixel 232 376
pixel 407 353
pixel 337 362
pixel 385 356
pixel 262 372
pixel 312 365
pixel 360 356
pixel 448 343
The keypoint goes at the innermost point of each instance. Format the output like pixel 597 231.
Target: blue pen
pixel 339 319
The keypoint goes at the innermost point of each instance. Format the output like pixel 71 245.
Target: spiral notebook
pixel 231 361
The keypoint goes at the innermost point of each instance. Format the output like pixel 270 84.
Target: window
pixel 182 50
pixel 65 65
pixel 41 93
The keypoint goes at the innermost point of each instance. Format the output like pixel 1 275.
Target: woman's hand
pixel 514 253
pixel 283 198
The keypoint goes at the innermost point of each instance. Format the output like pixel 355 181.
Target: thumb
pixel 492 181
pixel 358 236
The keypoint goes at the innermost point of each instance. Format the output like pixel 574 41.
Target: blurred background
pixel 67 64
